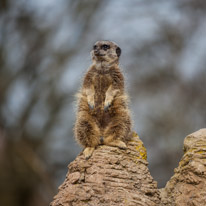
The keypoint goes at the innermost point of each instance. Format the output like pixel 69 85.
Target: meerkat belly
pixel 102 83
pixel 101 87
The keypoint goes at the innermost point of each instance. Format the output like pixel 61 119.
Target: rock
pixel 188 185
pixel 110 177
pixel 121 177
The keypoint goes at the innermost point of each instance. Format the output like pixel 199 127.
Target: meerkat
pixel 103 116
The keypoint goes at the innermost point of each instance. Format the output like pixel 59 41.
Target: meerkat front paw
pixel 88 151
pixel 110 94
pixel 91 102
pixel 106 106
pixel 91 105
pixel 90 97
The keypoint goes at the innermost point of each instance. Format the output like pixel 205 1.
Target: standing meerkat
pixel 103 115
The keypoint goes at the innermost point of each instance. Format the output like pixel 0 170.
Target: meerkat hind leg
pixel 114 142
pixel 88 151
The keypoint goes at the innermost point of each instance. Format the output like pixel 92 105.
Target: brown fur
pixel 103 116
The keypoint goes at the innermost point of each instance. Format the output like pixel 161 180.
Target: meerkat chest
pixel 102 83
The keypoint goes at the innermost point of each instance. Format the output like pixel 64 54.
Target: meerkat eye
pixel 105 47
pixel 95 47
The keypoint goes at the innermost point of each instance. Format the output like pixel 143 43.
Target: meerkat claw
pixel 122 145
pixel 91 106
pixel 106 107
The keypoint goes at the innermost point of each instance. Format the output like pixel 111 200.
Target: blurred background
pixel 45 51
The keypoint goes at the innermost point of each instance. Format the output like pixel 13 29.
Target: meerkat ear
pixel 118 51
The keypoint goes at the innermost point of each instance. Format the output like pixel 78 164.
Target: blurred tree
pixel 44 50
pixel 30 103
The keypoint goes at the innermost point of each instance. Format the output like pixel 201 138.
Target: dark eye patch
pixel 105 47
pixel 95 47
pixel 118 51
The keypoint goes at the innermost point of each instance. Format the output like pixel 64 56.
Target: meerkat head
pixel 106 52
